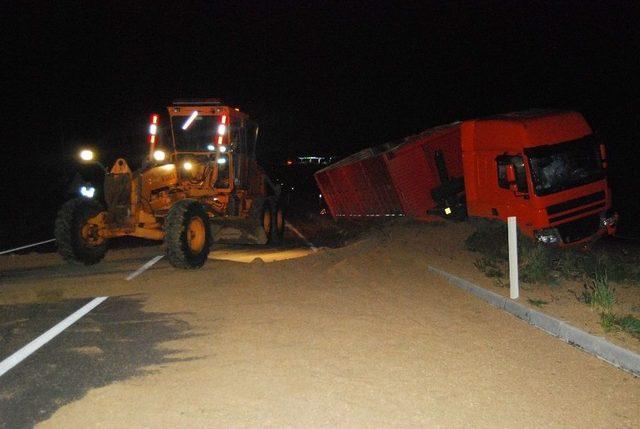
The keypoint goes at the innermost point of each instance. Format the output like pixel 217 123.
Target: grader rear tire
pixel 272 222
pixel 78 241
pixel 277 229
pixel 187 235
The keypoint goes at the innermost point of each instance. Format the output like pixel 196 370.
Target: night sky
pixel 325 78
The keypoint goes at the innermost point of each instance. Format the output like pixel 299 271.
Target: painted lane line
pixel 313 248
pixel 27 246
pixel 43 339
pixel 144 268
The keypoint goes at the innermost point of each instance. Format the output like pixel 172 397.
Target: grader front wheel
pixel 187 234
pixel 77 234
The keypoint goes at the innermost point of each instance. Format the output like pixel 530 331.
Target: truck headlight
pixel 608 218
pixel 548 235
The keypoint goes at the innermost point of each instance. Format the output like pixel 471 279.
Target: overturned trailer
pixel 545 167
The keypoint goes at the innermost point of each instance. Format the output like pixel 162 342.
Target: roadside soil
pixel 443 245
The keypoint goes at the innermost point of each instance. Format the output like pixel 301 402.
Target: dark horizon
pixel 323 78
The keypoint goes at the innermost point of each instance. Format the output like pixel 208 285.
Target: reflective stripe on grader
pixel 43 339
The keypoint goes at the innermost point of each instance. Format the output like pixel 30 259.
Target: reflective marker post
pixel 514 287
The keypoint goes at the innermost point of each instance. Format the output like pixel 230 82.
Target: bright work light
pixel 187 165
pixel 189 120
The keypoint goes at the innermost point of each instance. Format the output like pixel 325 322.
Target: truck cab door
pixel 513 192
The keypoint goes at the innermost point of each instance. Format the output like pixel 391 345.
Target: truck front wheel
pixel 187 234
pixel 78 239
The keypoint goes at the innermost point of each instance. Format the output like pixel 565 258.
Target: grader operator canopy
pixel 205 126
pixel 198 133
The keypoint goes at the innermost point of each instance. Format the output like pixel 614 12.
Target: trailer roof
pixel 523 115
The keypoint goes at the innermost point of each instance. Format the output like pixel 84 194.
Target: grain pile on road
pixel 358 336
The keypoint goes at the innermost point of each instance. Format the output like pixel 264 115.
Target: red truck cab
pixel 544 167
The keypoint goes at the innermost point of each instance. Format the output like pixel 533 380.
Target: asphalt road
pixel 115 341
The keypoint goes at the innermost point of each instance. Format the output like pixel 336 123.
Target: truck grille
pixel 579 229
pixel 577 202
pixel 576 213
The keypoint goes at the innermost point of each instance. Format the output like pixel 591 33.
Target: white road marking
pixel 27 246
pixel 43 339
pixel 144 268
pixel 299 234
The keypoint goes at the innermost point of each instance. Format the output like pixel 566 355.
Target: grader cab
pixel 199 184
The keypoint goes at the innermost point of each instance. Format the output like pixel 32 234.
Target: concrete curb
pixel 597 346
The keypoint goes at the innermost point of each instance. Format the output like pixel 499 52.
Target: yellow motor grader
pixel 203 187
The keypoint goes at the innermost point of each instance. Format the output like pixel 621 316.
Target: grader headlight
pixel 87 191
pixel 86 155
pixel 159 155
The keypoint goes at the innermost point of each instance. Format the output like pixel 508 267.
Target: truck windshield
pixel 566 165
pixel 194 133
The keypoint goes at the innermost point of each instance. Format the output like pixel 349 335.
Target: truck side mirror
pixel 511 179
pixel 603 156
pixel 511 175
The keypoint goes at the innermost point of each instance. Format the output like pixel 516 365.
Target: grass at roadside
pixel 597 267
pixel 545 264
pixel 537 302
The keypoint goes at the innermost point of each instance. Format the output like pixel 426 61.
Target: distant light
pixel 223 149
pixel 87 191
pixel 222 128
pixel 187 165
pixel 159 155
pixel 289 162
pixel 190 119
pixel 86 155
pixel 153 129
pixel 211 147
pixel 447 210
pixel 222 160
